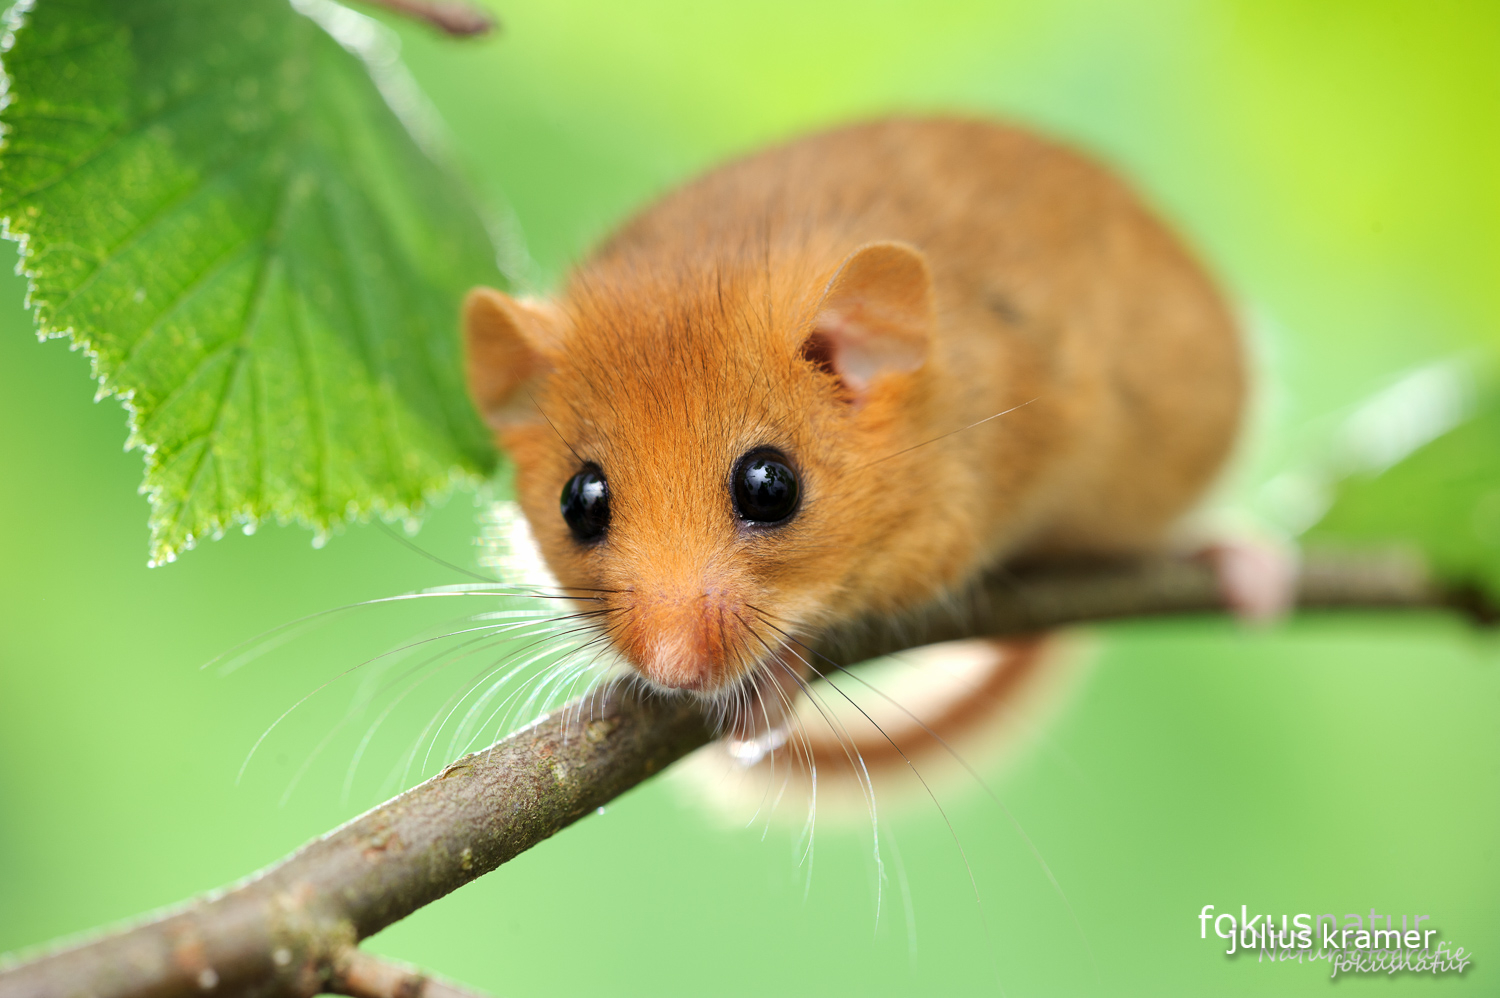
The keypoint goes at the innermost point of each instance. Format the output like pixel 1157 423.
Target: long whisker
pixel 305 697
pixel 809 827
pixel 527 627
pixel 455 703
pixel 1015 822
pixel 554 428
pixel 370 731
pixel 968 867
pixel 850 748
pixel 867 785
pixel 601 639
pixel 605 648
pixel 765 716
pixel 841 733
pixel 506 724
pixel 486 632
pixel 906 905
pixel 402 767
pixel 431 593
pixel 500 589
pixel 944 436
pixel 801 748
pixel 466 724
pixel 416 548
pixel 489 634
pixel 353 711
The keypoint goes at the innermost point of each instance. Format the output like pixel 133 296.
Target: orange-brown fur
pixel 683 343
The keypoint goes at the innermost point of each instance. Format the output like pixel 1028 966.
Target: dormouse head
pixel 694 446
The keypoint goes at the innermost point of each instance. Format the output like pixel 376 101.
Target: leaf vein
pixel 116 137
pixel 199 281
pixel 171 203
pixel 254 302
pixel 374 358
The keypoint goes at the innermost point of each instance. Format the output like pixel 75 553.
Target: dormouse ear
pixel 508 342
pixel 876 316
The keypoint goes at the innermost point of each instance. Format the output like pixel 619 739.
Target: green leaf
pixel 1444 498
pixel 215 201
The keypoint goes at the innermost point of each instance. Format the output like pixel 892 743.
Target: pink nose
pixel 694 641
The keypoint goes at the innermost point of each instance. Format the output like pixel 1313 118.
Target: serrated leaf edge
pixel 429 136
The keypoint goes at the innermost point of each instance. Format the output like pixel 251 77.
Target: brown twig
pixel 292 930
pixel 361 975
pixel 1042 597
pixel 454 17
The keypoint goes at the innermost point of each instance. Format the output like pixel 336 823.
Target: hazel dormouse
pixel 841 378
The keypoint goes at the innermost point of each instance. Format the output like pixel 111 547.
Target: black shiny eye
pixel 585 504
pixel 765 488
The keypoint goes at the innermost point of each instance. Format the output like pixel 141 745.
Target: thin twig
pixel 291 930
pixel 360 975
pixel 459 19
pixel 1037 598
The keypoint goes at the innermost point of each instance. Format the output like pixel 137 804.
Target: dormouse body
pixel 772 403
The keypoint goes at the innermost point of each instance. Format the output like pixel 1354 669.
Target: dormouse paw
pixel 1257 577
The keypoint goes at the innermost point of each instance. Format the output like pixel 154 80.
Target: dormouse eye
pixel 585 504
pixel 765 488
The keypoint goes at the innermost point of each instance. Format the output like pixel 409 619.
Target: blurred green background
pixel 1339 165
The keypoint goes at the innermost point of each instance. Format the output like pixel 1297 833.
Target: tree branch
pixel 1029 599
pixel 292 929
pixel 454 17
pixel 360 975
pixel 289 930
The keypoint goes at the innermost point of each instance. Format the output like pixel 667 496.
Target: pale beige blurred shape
pixel 989 701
